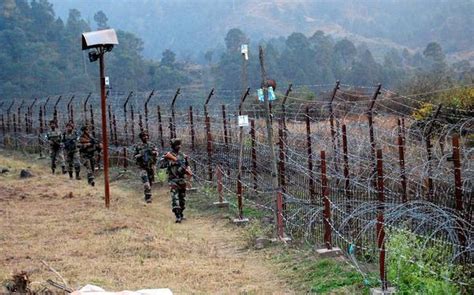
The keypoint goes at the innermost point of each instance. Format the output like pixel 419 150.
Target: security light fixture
pixel 101 42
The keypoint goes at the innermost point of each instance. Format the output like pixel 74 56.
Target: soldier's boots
pixel 53 170
pixel 78 177
pixel 64 169
pixel 70 174
pixel 90 181
pixel 179 215
pixel 148 198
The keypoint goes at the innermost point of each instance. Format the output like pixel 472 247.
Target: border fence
pixel 352 163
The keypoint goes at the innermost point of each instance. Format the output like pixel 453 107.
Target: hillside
pixel 192 27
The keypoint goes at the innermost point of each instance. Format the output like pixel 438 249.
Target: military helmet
pixel 175 141
pixel 70 123
pixel 143 133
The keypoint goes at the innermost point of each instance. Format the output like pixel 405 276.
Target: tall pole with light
pixel 101 42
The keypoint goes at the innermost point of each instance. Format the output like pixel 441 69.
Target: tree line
pixel 41 55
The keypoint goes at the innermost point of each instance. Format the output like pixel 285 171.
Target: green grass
pixel 321 276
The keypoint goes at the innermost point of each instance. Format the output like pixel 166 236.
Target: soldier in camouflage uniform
pixel 70 141
pixel 88 148
pixel 146 154
pixel 177 166
pixel 55 147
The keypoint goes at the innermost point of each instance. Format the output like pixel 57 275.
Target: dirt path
pixel 130 246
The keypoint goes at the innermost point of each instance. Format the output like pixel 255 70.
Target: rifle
pixel 182 165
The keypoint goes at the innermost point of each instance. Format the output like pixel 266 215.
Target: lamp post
pixel 101 42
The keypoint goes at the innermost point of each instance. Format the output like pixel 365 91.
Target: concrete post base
pixel 329 253
pixel 379 291
pixel 242 221
pixel 223 204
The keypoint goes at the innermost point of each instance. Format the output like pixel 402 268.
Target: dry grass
pixel 129 246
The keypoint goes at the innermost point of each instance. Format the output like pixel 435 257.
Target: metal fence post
pixel 380 220
pixel 146 108
pixel 160 127
pixel 429 155
pixel 401 160
pixel 173 119
pixel 254 154
pixel 327 207
pixel 372 136
pixel 310 158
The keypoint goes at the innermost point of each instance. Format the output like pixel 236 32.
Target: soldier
pixel 55 147
pixel 88 147
pixel 177 166
pixel 146 155
pixel 70 140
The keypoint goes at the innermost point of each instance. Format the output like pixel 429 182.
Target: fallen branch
pixel 56 273
pixel 59 286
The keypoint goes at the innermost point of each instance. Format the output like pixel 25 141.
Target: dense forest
pixel 41 55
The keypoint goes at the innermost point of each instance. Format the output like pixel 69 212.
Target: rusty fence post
pixel 347 191
pixel 132 117
pixel 19 115
pixel 44 109
pixel 125 126
pixel 280 223
pixel 208 135
pixel 331 122
pixel 224 123
pixel 191 123
pixel 310 158
pixel 282 156
pixel 30 114
pixel 283 111
pixel 380 220
pixel 254 154
pixel 41 131
pixel 92 120
pixel 146 108
pixel 372 136
pixel 55 113
pixel 26 122
pixel 14 122
pixel 84 107
pixel 327 206
pixel 401 160
pixel 70 111
pixel 173 119
pixel 429 155
pixel 160 127
pixel 458 191
pixel 9 124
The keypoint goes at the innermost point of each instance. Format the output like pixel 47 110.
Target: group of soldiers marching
pixel 177 167
pixel 69 149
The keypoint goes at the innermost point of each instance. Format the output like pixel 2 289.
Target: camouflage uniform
pixel 176 178
pixel 71 150
pixel 88 147
pixel 146 155
pixel 56 150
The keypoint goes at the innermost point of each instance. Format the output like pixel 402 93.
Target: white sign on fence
pixel 243 121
